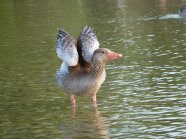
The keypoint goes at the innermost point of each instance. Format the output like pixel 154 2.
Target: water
pixel 171 16
pixel 144 95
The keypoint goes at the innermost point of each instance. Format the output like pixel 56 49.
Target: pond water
pixel 144 95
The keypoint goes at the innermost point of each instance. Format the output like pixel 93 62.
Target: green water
pixel 144 95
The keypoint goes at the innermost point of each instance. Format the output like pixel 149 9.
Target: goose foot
pixel 94 103
pixel 73 101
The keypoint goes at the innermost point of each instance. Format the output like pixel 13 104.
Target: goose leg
pixel 94 103
pixel 73 101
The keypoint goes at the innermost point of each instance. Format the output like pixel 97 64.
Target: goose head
pixel 104 55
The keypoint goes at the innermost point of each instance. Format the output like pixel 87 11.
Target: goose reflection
pixel 85 125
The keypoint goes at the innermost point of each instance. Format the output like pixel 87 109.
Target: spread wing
pixel 87 43
pixel 66 49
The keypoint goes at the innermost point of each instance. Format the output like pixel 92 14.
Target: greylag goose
pixel 182 11
pixel 83 69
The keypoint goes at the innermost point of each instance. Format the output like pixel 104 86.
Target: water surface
pixel 144 95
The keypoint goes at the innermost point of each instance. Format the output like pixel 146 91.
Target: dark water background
pixel 144 95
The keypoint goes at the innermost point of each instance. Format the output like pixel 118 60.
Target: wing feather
pixel 66 49
pixel 87 43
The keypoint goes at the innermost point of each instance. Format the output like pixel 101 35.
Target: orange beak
pixel 113 55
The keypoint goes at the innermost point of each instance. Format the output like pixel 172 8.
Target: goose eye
pixel 102 52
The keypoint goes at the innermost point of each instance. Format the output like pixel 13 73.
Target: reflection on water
pixel 144 93
pixel 88 124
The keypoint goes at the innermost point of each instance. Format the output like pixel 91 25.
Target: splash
pixel 170 16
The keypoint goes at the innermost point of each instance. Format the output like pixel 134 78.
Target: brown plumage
pixel 83 69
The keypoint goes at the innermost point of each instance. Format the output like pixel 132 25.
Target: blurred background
pixel 144 95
